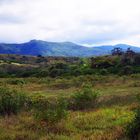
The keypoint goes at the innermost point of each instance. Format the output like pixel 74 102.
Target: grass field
pixel 107 121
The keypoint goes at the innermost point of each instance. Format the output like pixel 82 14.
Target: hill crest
pixel 68 49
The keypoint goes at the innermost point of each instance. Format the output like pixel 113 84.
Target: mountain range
pixel 39 47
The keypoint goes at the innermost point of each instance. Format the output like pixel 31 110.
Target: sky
pixel 87 22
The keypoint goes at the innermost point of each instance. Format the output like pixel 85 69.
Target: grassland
pixel 107 121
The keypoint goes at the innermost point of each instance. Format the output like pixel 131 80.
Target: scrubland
pixel 106 120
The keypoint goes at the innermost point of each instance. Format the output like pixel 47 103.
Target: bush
pixel 42 73
pixel 16 81
pixel 11 101
pixel 87 71
pixel 133 129
pixel 76 72
pixel 84 99
pixel 55 72
pixel 126 70
pixel 104 72
pixel 50 111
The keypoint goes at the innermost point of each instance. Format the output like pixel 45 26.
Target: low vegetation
pixel 86 98
pixel 49 110
pixel 11 101
pixel 70 98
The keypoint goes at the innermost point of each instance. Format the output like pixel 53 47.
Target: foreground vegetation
pixel 107 120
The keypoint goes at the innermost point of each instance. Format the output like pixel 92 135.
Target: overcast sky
pixel 90 22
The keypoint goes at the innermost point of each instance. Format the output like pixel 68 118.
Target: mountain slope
pixel 38 47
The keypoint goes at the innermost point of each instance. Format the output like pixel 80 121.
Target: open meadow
pixel 107 120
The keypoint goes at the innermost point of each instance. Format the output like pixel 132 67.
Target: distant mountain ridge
pixel 69 49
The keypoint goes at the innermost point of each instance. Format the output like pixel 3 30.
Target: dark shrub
pixel 104 72
pixel 11 101
pixel 55 72
pixel 126 70
pixel 42 73
pixel 16 81
pixel 76 72
pixel 61 66
pixel 133 129
pixel 87 71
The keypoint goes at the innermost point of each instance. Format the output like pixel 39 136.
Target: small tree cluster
pixel 117 51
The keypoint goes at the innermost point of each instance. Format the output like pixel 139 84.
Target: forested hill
pixel 69 49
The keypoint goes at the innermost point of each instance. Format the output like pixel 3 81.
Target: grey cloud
pixel 10 19
pixel 86 22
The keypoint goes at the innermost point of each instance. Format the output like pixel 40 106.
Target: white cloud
pixel 81 21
